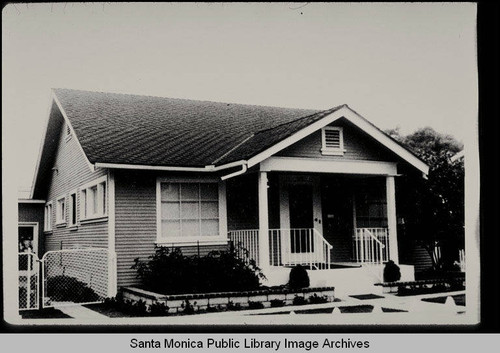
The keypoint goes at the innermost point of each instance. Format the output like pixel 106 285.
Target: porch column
pixel 391 218
pixel 263 222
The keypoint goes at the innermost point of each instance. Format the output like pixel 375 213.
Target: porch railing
pixel 302 246
pixel 287 247
pixel 371 245
pixel 245 243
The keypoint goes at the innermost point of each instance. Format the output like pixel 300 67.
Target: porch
pixel 323 221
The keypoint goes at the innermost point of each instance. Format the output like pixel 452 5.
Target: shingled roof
pixel 144 130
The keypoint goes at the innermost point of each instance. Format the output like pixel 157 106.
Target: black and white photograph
pixel 258 164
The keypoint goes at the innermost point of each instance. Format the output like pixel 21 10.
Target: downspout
pixel 243 170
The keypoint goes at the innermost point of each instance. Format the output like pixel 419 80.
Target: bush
pixel 233 307
pixel 255 305
pixel 66 288
pixel 277 303
pixel 315 299
pixel 391 272
pixel 159 309
pixel 299 300
pixel 187 308
pixel 170 272
pixel 298 278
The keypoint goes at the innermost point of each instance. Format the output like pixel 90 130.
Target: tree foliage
pixel 433 207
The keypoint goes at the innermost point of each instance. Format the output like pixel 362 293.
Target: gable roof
pixel 145 132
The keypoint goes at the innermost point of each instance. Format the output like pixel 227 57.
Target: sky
pixel 408 65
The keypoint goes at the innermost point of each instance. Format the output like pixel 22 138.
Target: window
pixel 61 210
pixel 72 209
pixel 188 211
pixel 332 141
pixel 93 200
pixel 47 225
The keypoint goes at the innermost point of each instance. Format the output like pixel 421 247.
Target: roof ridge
pixel 183 99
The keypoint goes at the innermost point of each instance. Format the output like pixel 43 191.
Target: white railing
pixel 371 245
pixel 245 243
pixel 287 247
pixel 306 246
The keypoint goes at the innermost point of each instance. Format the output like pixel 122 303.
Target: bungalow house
pixel 284 186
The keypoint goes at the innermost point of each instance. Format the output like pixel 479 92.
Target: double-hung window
pixel 61 210
pixel 332 141
pixel 93 200
pixel 47 224
pixel 189 211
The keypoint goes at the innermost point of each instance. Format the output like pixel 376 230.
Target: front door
pixel 300 200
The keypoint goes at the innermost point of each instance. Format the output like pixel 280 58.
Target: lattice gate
pixel 77 276
pixel 29 277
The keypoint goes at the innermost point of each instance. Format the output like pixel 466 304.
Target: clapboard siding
pixel 135 225
pixel 70 171
pixel 358 146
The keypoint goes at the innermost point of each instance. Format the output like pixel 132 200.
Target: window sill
pixel 331 152
pixel 61 225
pixel 73 227
pixel 184 241
pixel 48 232
pixel 94 220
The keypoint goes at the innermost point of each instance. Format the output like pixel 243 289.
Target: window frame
pixel 332 151
pixel 221 238
pixel 70 208
pixel 102 200
pixel 60 219
pixel 47 221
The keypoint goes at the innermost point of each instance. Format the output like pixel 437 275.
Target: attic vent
pixel 332 141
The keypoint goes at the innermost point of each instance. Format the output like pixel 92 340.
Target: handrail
pixel 373 237
pixel 322 238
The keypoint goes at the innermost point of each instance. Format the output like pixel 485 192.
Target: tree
pixel 433 207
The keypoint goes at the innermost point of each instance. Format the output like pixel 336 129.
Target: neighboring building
pixel 129 172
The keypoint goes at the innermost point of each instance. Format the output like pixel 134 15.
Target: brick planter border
pixel 221 300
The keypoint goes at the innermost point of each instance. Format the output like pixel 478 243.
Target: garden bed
pixel 256 299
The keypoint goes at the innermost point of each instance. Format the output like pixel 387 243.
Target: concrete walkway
pixel 80 312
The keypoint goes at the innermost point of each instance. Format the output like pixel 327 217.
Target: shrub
pixel 255 305
pixel 299 300
pixel 66 288
pixel 170 272
pixel 298 278
pixel 159 309
pixel 187 308
pixel 315 299
pixel 233 307
pixel 391 272
pixel 277 303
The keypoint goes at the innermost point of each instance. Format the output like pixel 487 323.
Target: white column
pixel 391 218
pixel 263 222
pixel 112 275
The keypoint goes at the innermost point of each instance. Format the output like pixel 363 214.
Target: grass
pixel 48 313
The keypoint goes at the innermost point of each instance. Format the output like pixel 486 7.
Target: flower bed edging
pixel 221 300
